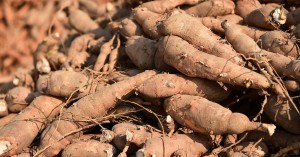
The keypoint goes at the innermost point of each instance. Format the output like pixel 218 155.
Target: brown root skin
pixel 104 52
pixel 82 22
pixel 114 26
pixel 85 109
pixel 19 133
pixel 136 135
pixel 140 14
pixel 283 114
pixel 150 26
pixel 141 51
pixel 261 17
pixel 204 116
pixel 3 109
pixel 130 28
pixel 94 45
pixel 232 18
pixel 215 24
pixel 201 38
pixel 57 84
pixel 243 44
pixel 191 144
pixel 245 7
pixel 212 8
pixel 165 85
pixel 163 6
pixel 47 45
pixel 238 40
pixel 5 120
pixel 252 32
pixel 18 98
pixel 159 63
pixel 113 56
pixel 75 19
pixel 194 63
pixel 77 53
pixel 95 9
pixel 148 20
pixel 56 60
pixel 278 42
pixel 292 85
pixel 92 148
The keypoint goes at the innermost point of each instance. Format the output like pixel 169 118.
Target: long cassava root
pixel 180 54
pixel 21 131
pixel 85 109
pixel 191 112
pixel 165 85
pixel 202 38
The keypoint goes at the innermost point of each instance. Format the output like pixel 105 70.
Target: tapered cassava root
pixel 180 54
pixel 202 38
pixel 21 131
pixel 191 112
pixel 84 109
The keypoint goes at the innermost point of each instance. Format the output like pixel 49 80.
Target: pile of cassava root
pixel 164 78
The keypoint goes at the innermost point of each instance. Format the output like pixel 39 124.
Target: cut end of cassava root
pixel 5 146
pixel 271 128
pixel 268 128
pixel 3 106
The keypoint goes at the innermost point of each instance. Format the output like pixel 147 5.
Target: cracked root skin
pixel 141 51
pixel 202 38
pixel 192 145
pixel 194 63
pixel 212 8
pixel 88 108
pixel 245 45
pixel 57 84
pixel 261 18
pixel 22 130
pixel 166 85
pixel 283 114
pixel 245 7
pixel 278 42
pixel 135 134
pixel 204 116
pixel 92 148
pixel 18 98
